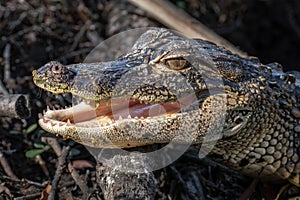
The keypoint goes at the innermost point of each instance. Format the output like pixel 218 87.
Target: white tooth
pixel 129 116
pixel 136 117
pixel 44 112
pixel 142 117
pixel 68 122
pixel 48 108
pixel 120 117
pixel 97 104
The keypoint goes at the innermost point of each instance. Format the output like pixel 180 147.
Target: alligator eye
pixel 176 63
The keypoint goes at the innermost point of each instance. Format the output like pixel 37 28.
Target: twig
pixel 79 181
pixel 282 189
pixel 83 12
pixel 79 35
pixel 249 191
pixel 23 180
pixel 74 54
pixel 3 89
pixel 53 143
pixel 15 105
pixel 19 21
pixel 41 185
pixel 42 163
pixel 6 167
pixel 29 196
pixel 175 18
pixel 6 56
pixel 190 192
pixel 82 184
pixel 59 170
pixel 3 190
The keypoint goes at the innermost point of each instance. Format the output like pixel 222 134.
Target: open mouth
pixel 106 112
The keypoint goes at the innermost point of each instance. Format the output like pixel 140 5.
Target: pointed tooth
pixel 129 116
pixel 48 108
pixel 120 117
pixel 68 122
pixel 136 117
pixel 142 117
pixel 44 112
pixel 65 137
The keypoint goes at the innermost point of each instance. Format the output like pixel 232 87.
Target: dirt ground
pixel 34 32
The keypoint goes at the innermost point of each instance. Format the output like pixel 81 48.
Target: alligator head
pixel 169 88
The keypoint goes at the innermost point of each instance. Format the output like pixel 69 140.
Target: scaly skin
pixel 170 83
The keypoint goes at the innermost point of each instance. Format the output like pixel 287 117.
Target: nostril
pixel 54 67
pixel 57 69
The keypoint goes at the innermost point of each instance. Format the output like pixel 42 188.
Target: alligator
pixel 166 82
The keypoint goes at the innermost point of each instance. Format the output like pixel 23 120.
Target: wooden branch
pixel 118 183
pixel 15 105
pixel 175 18
pixel 6 167
pixel 6 56
pixel 3 90
pixel 58 172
